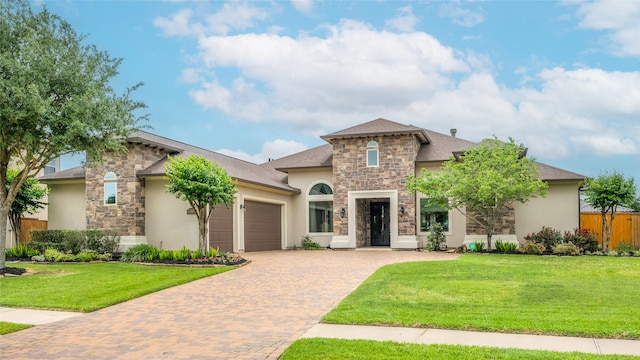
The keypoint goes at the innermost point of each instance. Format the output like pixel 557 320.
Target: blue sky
pixel 260 80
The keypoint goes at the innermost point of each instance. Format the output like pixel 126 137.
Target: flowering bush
pixel 568 249
pixel 532 248
pixel 548 237
pixel 583 239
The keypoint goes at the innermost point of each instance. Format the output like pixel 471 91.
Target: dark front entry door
pixel 380 233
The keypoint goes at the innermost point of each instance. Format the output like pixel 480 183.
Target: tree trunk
pixel 4 214
pixel 202 230
pixel 605 232
pixel 610 228
pixel 489 236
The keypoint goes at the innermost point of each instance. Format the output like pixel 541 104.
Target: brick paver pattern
pixel 254 312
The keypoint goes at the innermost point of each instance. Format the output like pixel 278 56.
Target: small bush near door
pixel 309 244
pixel 436 238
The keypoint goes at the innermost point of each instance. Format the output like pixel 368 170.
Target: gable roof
pixel 240 170
pixel 319 157
pixel 378 127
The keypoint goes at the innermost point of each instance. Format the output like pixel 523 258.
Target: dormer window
pixel 372 154
pixel 110 188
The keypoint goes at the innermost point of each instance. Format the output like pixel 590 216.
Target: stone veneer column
pixel 127 216
pixel 504 230
pixel 397 155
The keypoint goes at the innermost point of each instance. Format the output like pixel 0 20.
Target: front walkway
pixel 253 312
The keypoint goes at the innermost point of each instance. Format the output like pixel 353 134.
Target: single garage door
pixel 262 226
pixel 221 228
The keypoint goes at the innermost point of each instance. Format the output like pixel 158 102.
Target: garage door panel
pixel 262 226
pixel 221 228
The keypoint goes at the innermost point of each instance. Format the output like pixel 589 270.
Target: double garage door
pixel 262 227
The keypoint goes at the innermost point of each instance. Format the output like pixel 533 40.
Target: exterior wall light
pixel 401 210
pixel 342 212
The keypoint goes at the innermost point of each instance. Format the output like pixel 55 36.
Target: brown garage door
pixel 262 230
pixel 221 228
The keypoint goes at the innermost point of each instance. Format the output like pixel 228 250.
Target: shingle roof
pixel 321 156
pixel 378 127
pixel 238 169
pixel 76 173
pixel 552 173
pixel 441 147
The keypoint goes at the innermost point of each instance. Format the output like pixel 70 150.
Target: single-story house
pixel 349 193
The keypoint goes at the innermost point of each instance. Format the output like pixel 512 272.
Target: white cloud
pixel 460 15
pixel 354 73
pixel 303 6
pixel 620 18
pixel 177 25
pixel 404 21
pixel 233 15
pixel 270 150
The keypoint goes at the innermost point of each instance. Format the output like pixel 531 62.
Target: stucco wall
pixel 560 210
pixel 303 180
pixel 169 226
pixel 458 225
pixel 67 206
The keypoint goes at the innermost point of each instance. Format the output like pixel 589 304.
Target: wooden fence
pixel 27 225
pixel 626 228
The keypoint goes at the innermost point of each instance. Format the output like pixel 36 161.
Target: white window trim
pixel 113 181
pixel 419 219
pixel 310 198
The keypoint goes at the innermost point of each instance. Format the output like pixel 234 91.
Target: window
pixel 320 208
pixel 431 213
pixel 51 167
pixel 372 153
pixel 110 188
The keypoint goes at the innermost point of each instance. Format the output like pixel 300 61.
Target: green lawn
pixel 327 349
pixel 89 287
pixel 579 296
pixel 7 327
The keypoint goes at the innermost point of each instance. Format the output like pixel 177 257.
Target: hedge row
pixel 76 241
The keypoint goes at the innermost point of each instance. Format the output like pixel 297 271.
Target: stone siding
pixel 505 226
pixel 127 216
pixel 396 154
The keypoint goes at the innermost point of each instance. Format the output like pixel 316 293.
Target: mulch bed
pixel 12 271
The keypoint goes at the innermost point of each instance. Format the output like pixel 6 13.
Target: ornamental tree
pixel 55 98
pixel 483 180
pixel 606 193
pixel 27 201
pixel 201 183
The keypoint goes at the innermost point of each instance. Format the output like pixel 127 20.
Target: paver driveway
pixel 253 312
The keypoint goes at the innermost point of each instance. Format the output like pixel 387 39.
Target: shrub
pixel 309 244
pixel 197 254
pixel 479 246
pixel 436 237
pixel 506 247
pixel 86 256
pixel 583 239
pixel 532 248
pixel 21 252
pixel 44 239
pixel 102 241
pixel 139 253
pixel 625 248
pixel 548 237
pixel 568 249
pixel 76 241
pixel 56 255
pixel 613 253
pixel 211 253
pixel 165 255
pixel 178 255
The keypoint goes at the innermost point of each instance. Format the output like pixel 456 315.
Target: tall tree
pixel 55 98
pixel 201 183
pixel 483 180
pixel 27 201
pixel 606 193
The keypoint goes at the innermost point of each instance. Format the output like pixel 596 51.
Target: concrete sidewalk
pixel 33 317
pixel 471 338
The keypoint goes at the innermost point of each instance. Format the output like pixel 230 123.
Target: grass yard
pixel 7 327
pixel 89 287
pixel 578 296
pixel 326 349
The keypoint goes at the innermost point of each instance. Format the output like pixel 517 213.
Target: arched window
pixel 372 153
pixel 110 188
pixel 320 207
